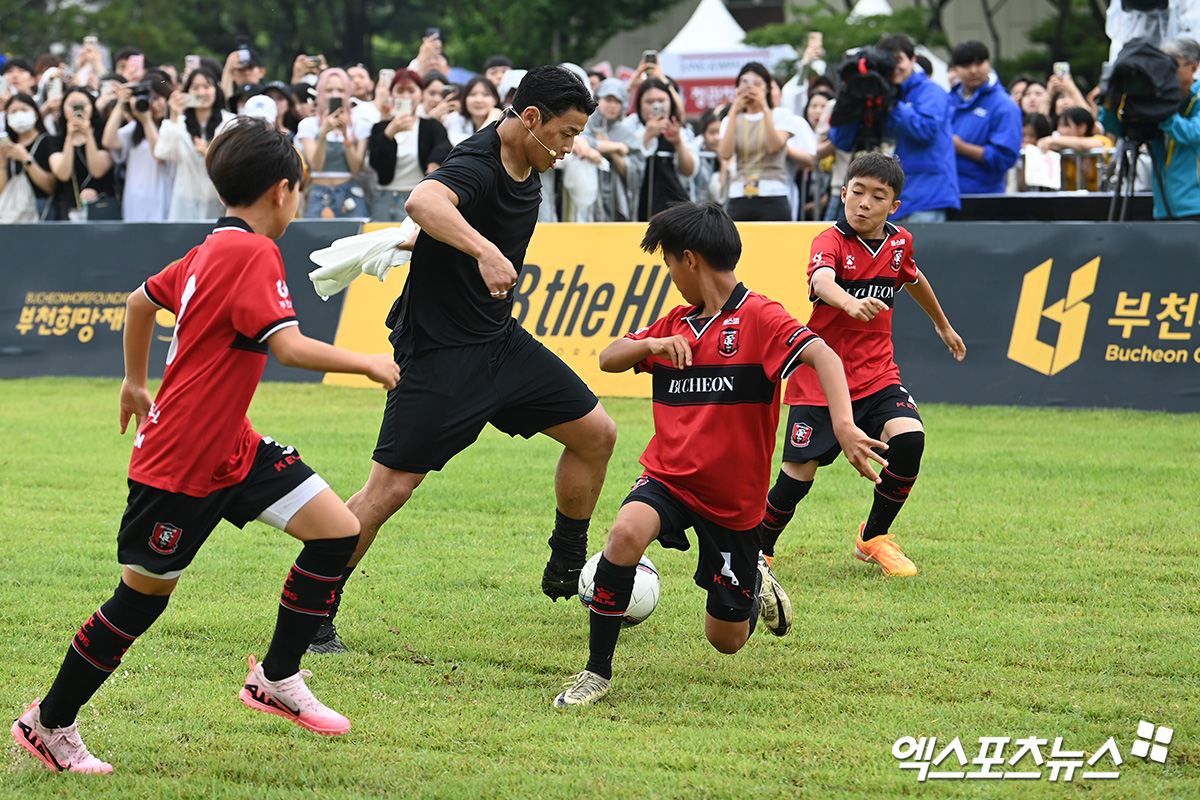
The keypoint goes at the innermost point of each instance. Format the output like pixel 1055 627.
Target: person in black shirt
pixel 465 361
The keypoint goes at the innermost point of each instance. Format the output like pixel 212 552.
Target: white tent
pixel 711 29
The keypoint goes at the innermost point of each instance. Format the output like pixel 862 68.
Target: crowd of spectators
pixel 108 137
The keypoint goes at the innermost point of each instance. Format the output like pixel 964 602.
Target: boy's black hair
pixel 554 91
pixel 880 166
pixel 705 229
pixel 248 158
pixel 969 52
pixel 898 43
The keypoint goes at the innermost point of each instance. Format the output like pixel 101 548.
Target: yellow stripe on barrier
pixel 585 285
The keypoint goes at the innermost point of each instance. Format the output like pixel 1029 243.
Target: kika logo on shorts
pixel 729 342
pixel 165 538
pixel 640 482
pixel 801 434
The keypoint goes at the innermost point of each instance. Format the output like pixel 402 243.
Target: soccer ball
pixel 646 588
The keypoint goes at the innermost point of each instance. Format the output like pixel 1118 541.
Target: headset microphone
pixel 553 153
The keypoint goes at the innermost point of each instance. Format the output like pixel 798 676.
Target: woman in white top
pixel 481 106
pixel 403 148
pixel 335 148
pixel 757 136
pixel 148 181
pixel 197 111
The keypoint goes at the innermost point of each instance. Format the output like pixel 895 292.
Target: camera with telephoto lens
pixel 139 95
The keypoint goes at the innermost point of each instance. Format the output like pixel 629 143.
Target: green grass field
pixel 1058 598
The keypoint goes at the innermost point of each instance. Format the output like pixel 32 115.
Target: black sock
pixel 754 609
pixel 308 593
pixel 904 462
pixel 96 651
pixel 611 593
pixel 782 500
pixel 569 539
pixel 337 593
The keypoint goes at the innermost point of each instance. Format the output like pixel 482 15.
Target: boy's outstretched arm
pixel 922 292
pixel 139 331
pixel 294 349
pixel 824 285
pixel 624 353
pixel 857 446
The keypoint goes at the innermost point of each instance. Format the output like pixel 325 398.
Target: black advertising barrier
pixel 1073 315
pixel 63 289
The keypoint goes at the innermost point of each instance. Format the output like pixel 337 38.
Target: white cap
pixel 510 81
pixel 261 106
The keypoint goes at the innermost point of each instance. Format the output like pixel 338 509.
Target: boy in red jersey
pixel 857 268
pixel 717 366
pixel 197 460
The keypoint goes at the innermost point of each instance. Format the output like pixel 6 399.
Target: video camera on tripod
pixel 865 94
pixel 1141 90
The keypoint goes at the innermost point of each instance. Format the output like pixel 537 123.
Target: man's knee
pixel 389 488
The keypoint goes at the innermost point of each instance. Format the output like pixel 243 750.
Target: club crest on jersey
pixel 801 434
pixel 729 342
pixel 897 257
pixel 165 538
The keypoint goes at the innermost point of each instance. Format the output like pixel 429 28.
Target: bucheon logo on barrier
pixel 1071 314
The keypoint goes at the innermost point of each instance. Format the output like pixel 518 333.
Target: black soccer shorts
pixel 161 531
pixel 446 396
pixel 810 434
pixel 727 565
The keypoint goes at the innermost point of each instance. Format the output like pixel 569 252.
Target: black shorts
pixel 727 567
pixel 446 396
pixel 810 433
pixel 162 531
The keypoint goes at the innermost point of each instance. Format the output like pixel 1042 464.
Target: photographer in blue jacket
pixel 987 123
pixel 919 122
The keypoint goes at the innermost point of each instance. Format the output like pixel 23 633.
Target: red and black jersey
pixel 864 269
pixel 228 295
pixel 715 422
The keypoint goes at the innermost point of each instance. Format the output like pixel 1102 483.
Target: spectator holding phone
pixel 439 98
pixel 481 106
pixel 26 150
pixel 403 148
pixel 83 168
pixel 756 134
pixel 196 113
pixel 659 168
pixel 335 148
pixel 148 181
pixel 130 63
pixel 243 66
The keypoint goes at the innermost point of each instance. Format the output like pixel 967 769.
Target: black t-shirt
pixel 64 193
pixel 445 301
